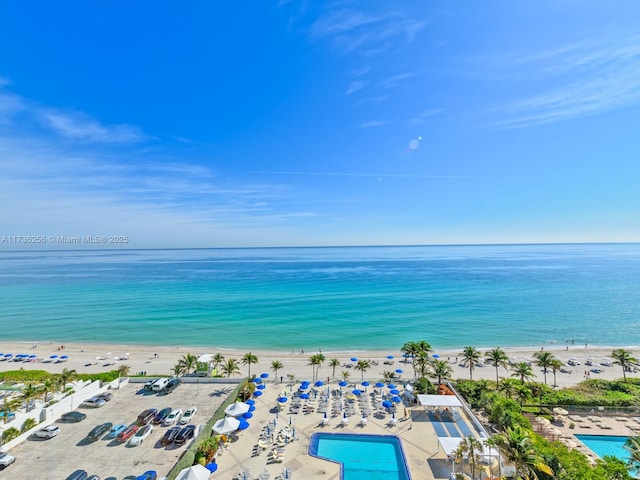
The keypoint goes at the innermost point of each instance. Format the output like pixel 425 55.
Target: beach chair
pixel 363 421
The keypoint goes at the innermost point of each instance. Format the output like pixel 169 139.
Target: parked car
pixel 93 477
pixel 141 434
pixel 170 435
pixel 116 429
pixel 159 384
pixel 127 434
pixel 148 475
pixel 186 433
pixel 47 432
pixel 173 417
pixel 188 416
pixel 6 460
pixel 146 416
pixel 149 384
pixel 73 417
pixel 78 475
pixel 162 414
pixel 93 402
pixel 106 396
pixel 99 431
pixel 171 385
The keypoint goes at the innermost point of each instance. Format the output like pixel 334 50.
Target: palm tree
pixel 471 355
pixel 65 377
pixel 387 375
pixel 441 370
pixel 218 358
pixel 46 388
pixel 410 349
pixel 28 393
pixel 524 371
pixel 509 387
pixel 28 424
pixel 9 434
pixel 345 375
pixel 422 363
pixel 555 366
pixel 544 360
pixel 334 363
pixel 314 361
pixel 363 366
pixel 190 362
pixel 632 445
pixel 624 358
pixel 246 390
pixel 230 367
pixel 275 366
pixel 499 358
pixel 249 359
pixel 471 447
pixel 124 370
pixel 518 449
pixel 9 406
pixel 321 359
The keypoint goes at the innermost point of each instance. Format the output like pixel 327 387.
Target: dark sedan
pixel 185 434
pixel 162 414
pixel 73 416
pixel 170 435
pixel 99 431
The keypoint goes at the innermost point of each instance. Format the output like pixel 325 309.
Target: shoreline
pixel 158 360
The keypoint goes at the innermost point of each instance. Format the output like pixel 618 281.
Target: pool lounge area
pixel 361 456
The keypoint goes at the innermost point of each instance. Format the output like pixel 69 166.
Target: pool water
pixel 363 457
pixel 603 445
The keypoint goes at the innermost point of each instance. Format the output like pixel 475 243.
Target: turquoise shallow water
pixel 330 298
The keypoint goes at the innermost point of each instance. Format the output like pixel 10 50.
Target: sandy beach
pixel 91 358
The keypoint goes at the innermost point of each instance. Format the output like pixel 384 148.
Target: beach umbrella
pixel 250 402
pixel 252 408
pixel 243 424
pixel 282 399
pixel 226 425
pixel 304 396
pixel 387 404
pixel 390 357
pixel 261 386
pixel 264 375
pixel 305 382
pixel 64 357
pixel 319 383
pixel 365 384
pixel 355 391
pixel 354 359
pixel 435 355
pixel 396 399
pixel 236 409
pixel 343 383
pixel 379 384
pixel 399 370
pixel 52 356
pixel 195 472
pixel 33 356
pixel 304 386
pixel 212 467
pixel 247 415
pixel 257 393
pixel 394 392
pixel 257 380
pixel 391 385
pixel 560 411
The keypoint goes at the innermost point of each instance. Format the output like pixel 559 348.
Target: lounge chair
pixel 363 421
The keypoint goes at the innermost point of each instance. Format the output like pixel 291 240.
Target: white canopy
pixel 226 425
pixel 236 409
pixel 196 472
pixel 439 401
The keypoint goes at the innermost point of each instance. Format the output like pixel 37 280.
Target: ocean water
pixel 350 298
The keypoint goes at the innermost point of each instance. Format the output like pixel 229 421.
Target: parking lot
pixel 56 458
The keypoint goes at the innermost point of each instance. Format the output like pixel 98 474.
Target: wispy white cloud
pixel 354 87
pixel 374 123
pixel 80 127
pixel 588 78
pixel 395 80
pixel 423 116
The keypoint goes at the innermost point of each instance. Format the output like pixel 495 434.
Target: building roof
pixel 439 401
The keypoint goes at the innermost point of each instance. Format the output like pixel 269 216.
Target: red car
pixel 127 434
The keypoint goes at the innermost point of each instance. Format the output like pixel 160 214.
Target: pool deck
pixel 418 437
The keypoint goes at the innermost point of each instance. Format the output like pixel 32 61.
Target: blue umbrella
pixel 264 375
pixel 250 402
pixel 379 384
pixel 435 355
pixel 387 404
pixel 257 393
pixel 247 415
pixel 64 357
pixel 394 392
pixel 33 356
pixel 212 467
pixel 355 391
pixel 343 383
pixel 282 399
pixel 243 424
pixel 257 380
pixel 304 396
pixel 252 408
pixel 261 386
pixel 391 385
pixel 354 359
pixel 365 384
pixel 319 383
pixel 8 355
pixel 305 382
pixel 396 399
pixel 390 357
pixel 52 356
pixel 399 370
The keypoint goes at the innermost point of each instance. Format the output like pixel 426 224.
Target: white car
pixel 6 460
pixel 173 417
pixel 93 402
pixel 47 432
pixel 188 415
pixel 141 434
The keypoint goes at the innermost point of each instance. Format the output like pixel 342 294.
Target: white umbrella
pixel 560 411
pixel 196 472
pixel 236 409
pixel 226 425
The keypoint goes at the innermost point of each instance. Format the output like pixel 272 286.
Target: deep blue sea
pixel 349 298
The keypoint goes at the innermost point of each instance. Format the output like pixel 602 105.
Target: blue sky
pixel 271 123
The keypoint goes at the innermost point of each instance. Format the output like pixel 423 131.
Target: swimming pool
pixel 603 445
pixel 362 457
